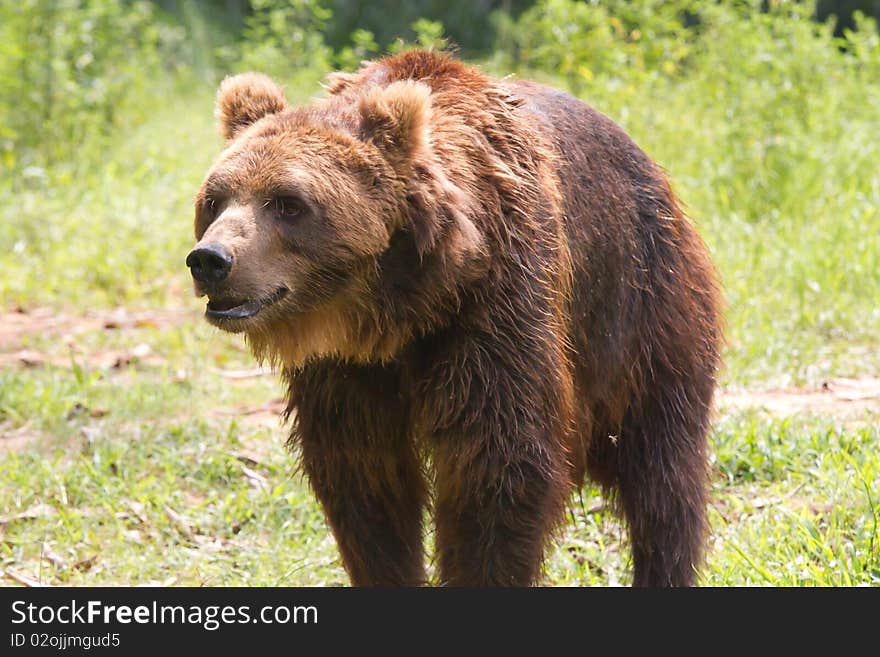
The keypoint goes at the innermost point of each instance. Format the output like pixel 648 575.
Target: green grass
pixel 153 472
pixel 152 490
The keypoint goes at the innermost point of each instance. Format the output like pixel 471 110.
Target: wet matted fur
pixel 486 273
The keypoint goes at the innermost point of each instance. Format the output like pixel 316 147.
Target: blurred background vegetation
pixel 766 113
pixel 73 68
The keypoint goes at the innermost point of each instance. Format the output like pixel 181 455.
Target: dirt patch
pixel 18 324
pixel 18 439
pixel 841 397
pixel 265 415
pixel 104 359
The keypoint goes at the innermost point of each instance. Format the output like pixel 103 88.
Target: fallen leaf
pixel 22 579
pixel 236 526
pixel 114 360
pixel 254 478
pixel 142 350
pixel 34 512
pixel 247 459
pixel 183 525
pixel 138 510
pixel 76 410
pixel 212 543
pixel 85 564
pixel 49 555
pixel 135 535
pixel 30 358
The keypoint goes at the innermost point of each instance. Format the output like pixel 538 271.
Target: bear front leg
pixel 350 425
pixel 500 465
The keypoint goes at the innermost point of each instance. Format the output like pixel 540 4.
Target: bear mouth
pixel 226 309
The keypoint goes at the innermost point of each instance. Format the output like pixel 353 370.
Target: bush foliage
pixel 72 70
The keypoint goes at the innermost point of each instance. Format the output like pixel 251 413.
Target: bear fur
pixel 480 292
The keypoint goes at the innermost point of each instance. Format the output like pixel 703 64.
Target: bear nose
pixel 209 263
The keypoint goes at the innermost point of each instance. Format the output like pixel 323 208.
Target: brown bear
pixel 479 293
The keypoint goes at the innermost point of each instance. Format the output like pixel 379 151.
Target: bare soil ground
pixel 19 327
pixel 838 396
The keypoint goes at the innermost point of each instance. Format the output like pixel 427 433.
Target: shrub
pixel 284 38
pixel 69 71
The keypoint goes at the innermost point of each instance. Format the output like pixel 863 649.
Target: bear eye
pixel 212 206
pixel 289 207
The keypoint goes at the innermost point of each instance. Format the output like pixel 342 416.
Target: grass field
pixel 138 445
pixel 151 452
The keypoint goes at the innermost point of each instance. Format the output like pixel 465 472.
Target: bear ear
pixel 339 81
pixel 245 98
pixel 396 118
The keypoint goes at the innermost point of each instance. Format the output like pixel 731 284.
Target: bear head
pixel 295 214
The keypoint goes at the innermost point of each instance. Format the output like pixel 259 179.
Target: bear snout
pixel 209 263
